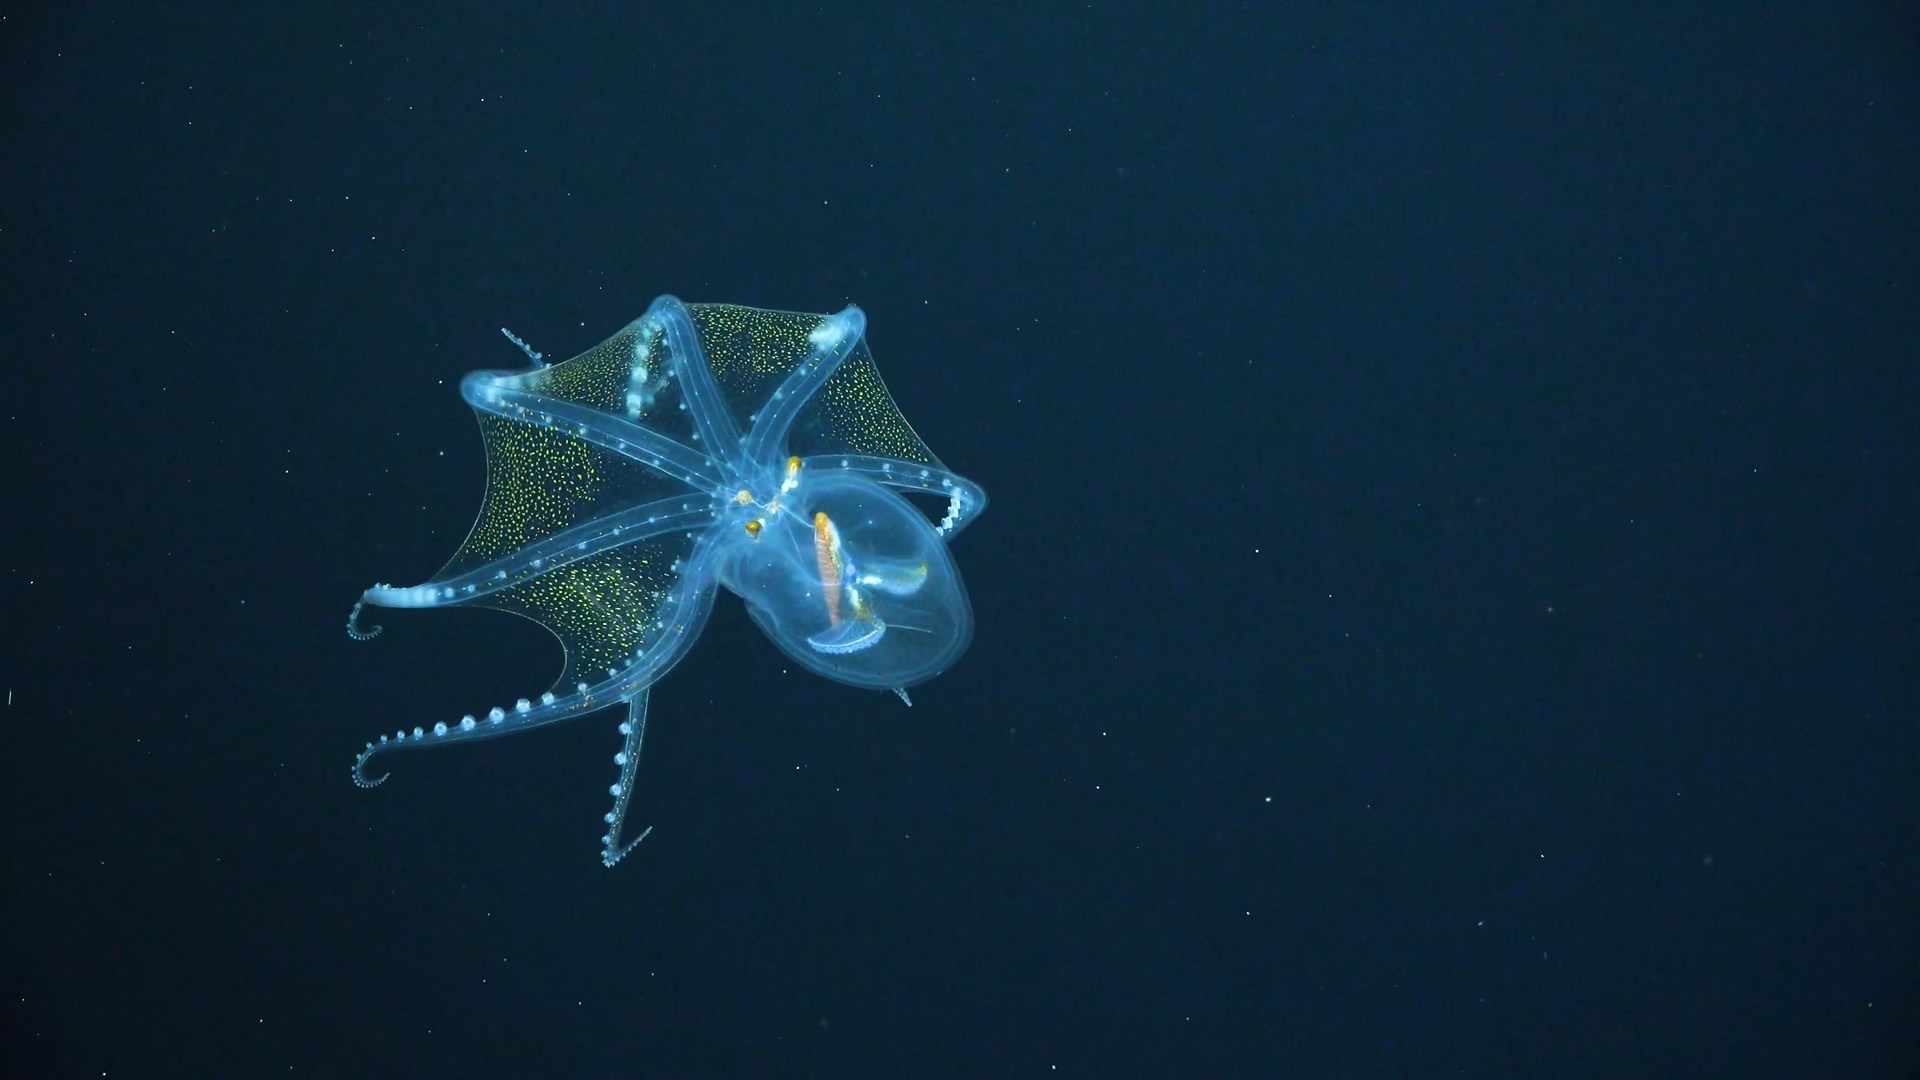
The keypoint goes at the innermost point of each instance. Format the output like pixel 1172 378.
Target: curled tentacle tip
pixel 353 620
pixel 360 779
pixel 608 856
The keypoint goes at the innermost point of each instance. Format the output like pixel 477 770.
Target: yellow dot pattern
pixel 751 350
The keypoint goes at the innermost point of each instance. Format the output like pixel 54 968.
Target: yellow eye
pixel 753 528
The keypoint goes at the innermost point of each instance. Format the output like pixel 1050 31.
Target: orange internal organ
pixel 826 555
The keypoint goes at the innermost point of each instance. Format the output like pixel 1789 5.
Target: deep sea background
pixel 1447 606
